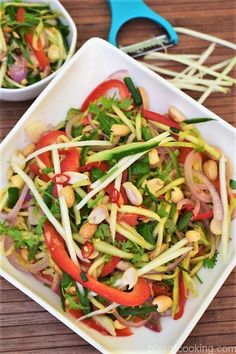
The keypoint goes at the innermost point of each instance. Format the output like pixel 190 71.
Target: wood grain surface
pixel 28 328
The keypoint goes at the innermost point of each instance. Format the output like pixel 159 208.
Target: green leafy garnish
pixel 184 221
pixel 142 311
pixel 210 262
pixel 39 228
pixel 146 230
pixel 140 167
pixel 22 238
pixel 96 173
pixel 103 232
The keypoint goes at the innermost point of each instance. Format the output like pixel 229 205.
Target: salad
pixel 33 43
pixel 117 208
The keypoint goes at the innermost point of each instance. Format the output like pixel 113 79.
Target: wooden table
pixel 26 327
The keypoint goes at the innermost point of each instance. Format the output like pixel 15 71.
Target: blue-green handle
pixel 123 11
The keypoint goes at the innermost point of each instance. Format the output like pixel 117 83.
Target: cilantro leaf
pixel 146 230
pixel 210 262
pixel 22 238
pixel 103 232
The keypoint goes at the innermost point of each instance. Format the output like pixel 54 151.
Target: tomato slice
pixel 103 88
pixel 124 332
pixel 34 168
pixel 109 266
pixel 184 151
pixel 46 140
pixel 70 161
pixel 130 219
pixel 160 288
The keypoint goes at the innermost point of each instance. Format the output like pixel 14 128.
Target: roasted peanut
pixel 163 302
pixel 193 235
pixel 153 158
pixel 28 149
pixel 69 195
pixel 144 96
pixel 98 215
pixel 175 114
pixel 154 185
pixel 216 227
pixel 17 181
pixel 176 195
pixel 87 230
pixel 133 194
pixel 53 53
pixel 210 170
pixel 120 130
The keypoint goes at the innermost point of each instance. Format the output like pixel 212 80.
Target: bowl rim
pixel 71 50
pixel 228 266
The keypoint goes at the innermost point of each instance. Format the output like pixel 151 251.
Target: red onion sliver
pixel 130 323
pixel 217 204
pixel 69 126
pixel 118 75
pixel 14 212
pixel 188 173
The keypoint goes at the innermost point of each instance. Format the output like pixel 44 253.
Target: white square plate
pixel 90 65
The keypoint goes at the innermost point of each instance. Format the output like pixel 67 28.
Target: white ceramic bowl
pixel 90 65
pixel 34 90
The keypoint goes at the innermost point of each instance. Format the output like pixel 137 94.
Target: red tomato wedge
pixel 102 89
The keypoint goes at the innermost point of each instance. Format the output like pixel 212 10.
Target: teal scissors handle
pixel 123 11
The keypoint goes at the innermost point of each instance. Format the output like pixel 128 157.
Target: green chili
pixel 198 120
pixel 146 133
pixel 134 92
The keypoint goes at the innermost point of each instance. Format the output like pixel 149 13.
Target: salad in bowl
pixel 117 208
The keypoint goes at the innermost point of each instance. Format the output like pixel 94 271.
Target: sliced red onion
pixel 130 323
pixel 14 212
pixel 69 126
pixel 4 216
pixel 19 263
pixel 18 71
pixel 154 322
pixel 56 282
pixel 217 204
pixel 42 279
pixel 33 218
pixel 118 75
pixel 173 265
pixel 183 202
pixel 188 173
